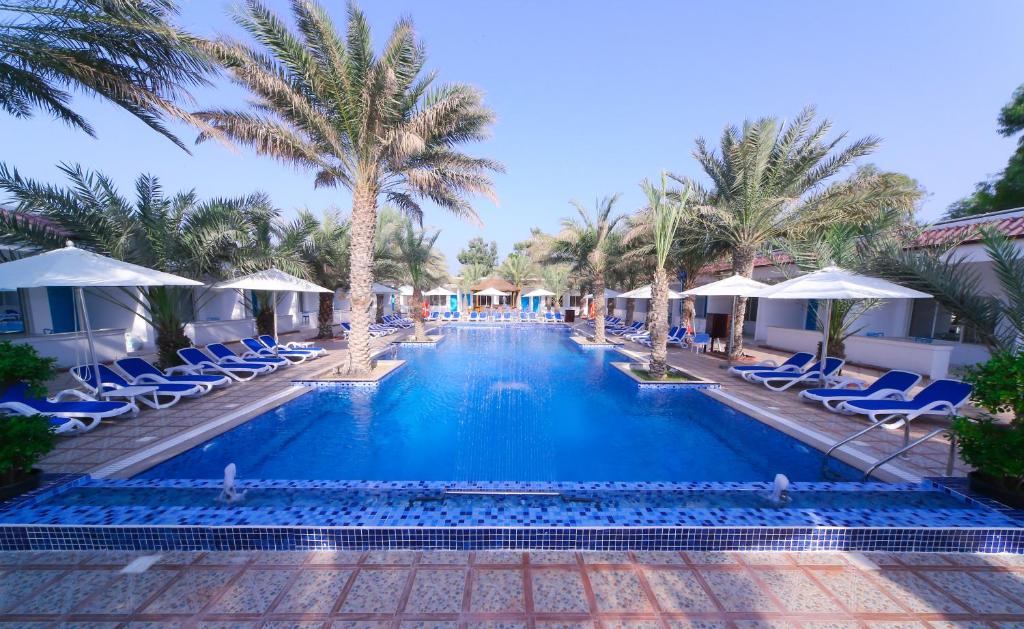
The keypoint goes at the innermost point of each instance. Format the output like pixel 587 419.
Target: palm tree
pixel 124 51
pixel 176 234
pixel 422 266
pixel 517 269
pixel 957 286
pixel 372 124
pixel 658 224
pixel 469 276
pixel 322 244
pixel 556 279
pixel 772 180
pixel 590 245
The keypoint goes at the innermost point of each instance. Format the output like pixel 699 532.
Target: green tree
pixel 1006 190
pixel 374 124
pixel 470 275
pixel 322 245
pixel 771 180
pixel 177 234
pixel 590 244
pixel 480 252
pixel 422 266
pixel 654 232
pixel 556 279
pixel 124 51
pixel 517 269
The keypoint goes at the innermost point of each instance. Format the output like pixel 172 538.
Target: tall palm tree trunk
pixel 325 316
pixel 658 322
pixel 419 329
pixel 364 223
pixel 630 310
pixel 600 306
pixel 742 264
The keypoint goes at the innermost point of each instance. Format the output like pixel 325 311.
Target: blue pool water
pixel 504 404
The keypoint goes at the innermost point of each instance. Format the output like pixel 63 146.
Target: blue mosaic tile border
pixel 655 538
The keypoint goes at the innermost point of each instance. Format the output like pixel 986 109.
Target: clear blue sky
pixel 593 96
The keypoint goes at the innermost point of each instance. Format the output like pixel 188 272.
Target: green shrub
pixel 21 363
pixel 996 448
pixel 999 384
pixel 23 440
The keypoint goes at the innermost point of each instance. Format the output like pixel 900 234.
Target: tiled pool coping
pixel 999 529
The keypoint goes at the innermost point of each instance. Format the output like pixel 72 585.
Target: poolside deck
pixel 928 459
pixel 119 438
pixel 513 590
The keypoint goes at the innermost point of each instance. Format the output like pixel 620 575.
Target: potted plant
pixel 994 446
pixel 23 440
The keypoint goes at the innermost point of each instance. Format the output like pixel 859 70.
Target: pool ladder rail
pixel 894 423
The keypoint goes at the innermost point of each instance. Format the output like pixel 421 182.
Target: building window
pixel 574 301
pixel 930 320
pixel 12 314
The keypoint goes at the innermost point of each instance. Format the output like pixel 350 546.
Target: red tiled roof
pixel 493 282
pixel 967 230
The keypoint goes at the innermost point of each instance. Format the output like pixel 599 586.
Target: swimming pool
pixel 503 403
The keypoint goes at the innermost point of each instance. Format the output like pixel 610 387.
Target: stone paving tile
pixel 973 592
pixel 436 591
pixel 582 624
pixel 253 593
pixel 558 592
pixel 856 592
pixel 797 592
pixel 375 592
pixel 710 558
pixel 360 624
pixel 547 557
pixel 391 557
pixel 190 592
pixel 495 557
pixel 630 624
pixel 618 591
pixel 619 557
pixel 64 594
pixel 678 591
pixel 335 557
pixel 658 557
pixel 126 592
pixel 676 623
pixel 314 592
pixel 737 591
pixel 445 558
pixel 497 591
pixel 917 594
pixel 765 624
pixel 501 624
pixel 17 585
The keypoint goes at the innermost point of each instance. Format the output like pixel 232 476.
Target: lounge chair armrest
pixel 770 363
pixel 845 382
pixel 73 393
pixel 151 378
pixel 185 370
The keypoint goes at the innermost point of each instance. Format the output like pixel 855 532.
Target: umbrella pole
pixel 826 324
pixel 273 306
pixel 94 362
pixel 732 330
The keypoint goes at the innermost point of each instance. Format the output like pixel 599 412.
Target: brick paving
pixel 531 590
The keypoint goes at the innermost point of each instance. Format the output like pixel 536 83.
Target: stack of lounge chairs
pixel 131 382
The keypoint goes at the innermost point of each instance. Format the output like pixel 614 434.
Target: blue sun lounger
pixel 236 371
pixel 892 385
pixel 794 363
pixel 67 417
pixel 941 397
pixel 781 380
pixel 271 343
pixel 255 348
pixel 112 382
pixel 140 372
pixel 223 353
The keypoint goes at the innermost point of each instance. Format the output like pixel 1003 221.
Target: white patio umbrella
pixel 644 292
pixel 80 269
pixel 439 292
pixel 274 281
pixel 492 293
pixel 382 289
pixel 608 294
pixel 539 292
pixel 836 283
pixel 734 286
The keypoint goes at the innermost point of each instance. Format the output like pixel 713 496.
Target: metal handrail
pixel 859 433
pixel 938 431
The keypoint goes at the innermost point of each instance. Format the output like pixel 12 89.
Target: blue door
pixel 62 308
pixel 811 322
